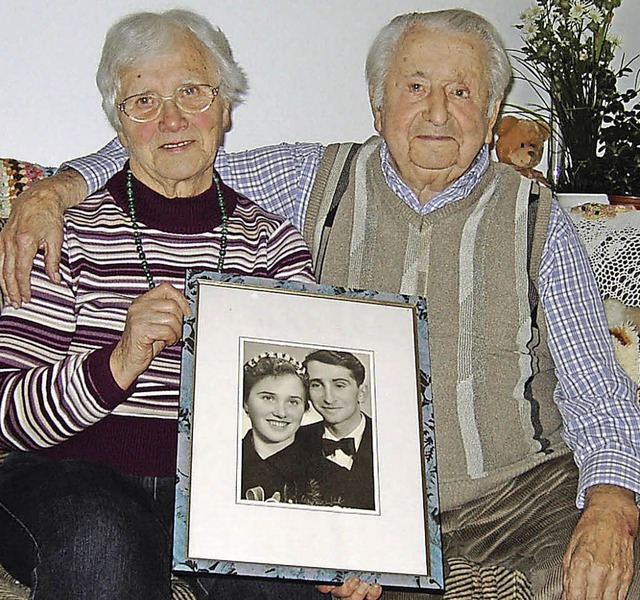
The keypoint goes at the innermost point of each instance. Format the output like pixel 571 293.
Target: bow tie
pixel 347 445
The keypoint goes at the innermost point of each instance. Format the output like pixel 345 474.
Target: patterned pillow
pixel 15 177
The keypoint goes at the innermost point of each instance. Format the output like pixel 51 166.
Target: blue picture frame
pixel 432 578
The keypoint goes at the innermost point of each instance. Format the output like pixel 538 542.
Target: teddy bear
pixel 520 144
pixel 624 325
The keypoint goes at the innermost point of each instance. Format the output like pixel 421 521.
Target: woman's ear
pixel 122 138
pixel 226 117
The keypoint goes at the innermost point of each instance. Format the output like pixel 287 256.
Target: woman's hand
pixel 154 321
pixel 36 222
pixel 353 589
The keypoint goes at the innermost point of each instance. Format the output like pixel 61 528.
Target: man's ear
pixel 377 119
pixel 492 120
pixel 377 112
pixel 362 390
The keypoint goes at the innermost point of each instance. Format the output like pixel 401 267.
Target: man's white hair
pixel 450 21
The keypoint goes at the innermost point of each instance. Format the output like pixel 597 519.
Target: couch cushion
pixel 15 177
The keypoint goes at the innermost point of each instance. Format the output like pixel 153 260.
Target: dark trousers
pixel 76 530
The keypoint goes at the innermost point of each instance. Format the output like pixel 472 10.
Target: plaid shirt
pixel 594 395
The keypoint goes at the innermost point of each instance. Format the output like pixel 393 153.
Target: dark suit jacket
pixel 349 488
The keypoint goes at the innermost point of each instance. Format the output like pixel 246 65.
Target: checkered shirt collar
pixel 459 189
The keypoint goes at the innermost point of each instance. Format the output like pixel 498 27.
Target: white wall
pixel 304 60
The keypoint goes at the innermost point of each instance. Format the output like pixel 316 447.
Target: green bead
pixel 224 220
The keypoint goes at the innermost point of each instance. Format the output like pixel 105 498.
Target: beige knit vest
pixel 476 261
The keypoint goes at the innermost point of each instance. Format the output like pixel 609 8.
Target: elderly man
pixel 525 381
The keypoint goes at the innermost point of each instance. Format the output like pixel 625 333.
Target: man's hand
pixel 154 321
pixel 353 589
pixel 36 222
pixel 598 563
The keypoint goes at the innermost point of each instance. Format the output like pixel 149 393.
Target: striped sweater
pixel 57 394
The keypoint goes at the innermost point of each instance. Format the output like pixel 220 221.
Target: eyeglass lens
pixel 188 98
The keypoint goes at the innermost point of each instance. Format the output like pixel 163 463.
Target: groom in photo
pixel 340 445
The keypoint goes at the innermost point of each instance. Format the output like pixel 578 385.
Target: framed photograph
pixel 305 432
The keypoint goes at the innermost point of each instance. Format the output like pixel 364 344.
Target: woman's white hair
pixel 145 35
pixel 454 20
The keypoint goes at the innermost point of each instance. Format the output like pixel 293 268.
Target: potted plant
pixel 617 170
pixel 569 58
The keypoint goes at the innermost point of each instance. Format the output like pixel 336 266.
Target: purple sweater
pixel 57 394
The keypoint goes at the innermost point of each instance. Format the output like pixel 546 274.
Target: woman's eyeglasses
pixel 192 98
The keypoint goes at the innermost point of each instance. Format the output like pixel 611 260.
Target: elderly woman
pixel 89 369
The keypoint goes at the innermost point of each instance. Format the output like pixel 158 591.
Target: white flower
pixel 595 14
pixel 576 11
pixel 535 11
pixel 530 30
pixel 531 14
pixel 614 40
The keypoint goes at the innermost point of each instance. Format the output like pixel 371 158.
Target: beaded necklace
pixel 138 240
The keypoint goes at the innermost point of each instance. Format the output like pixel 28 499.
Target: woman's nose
pixel 279 408
pixel 171 117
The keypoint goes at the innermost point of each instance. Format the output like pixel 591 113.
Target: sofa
pixel 464 580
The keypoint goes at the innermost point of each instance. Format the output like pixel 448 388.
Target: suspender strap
pixel 534 196
pixel 333 180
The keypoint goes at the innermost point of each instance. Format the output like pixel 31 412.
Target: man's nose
pixel 436 109
pixel 327 395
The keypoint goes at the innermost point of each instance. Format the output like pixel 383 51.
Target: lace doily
pixel 613 244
